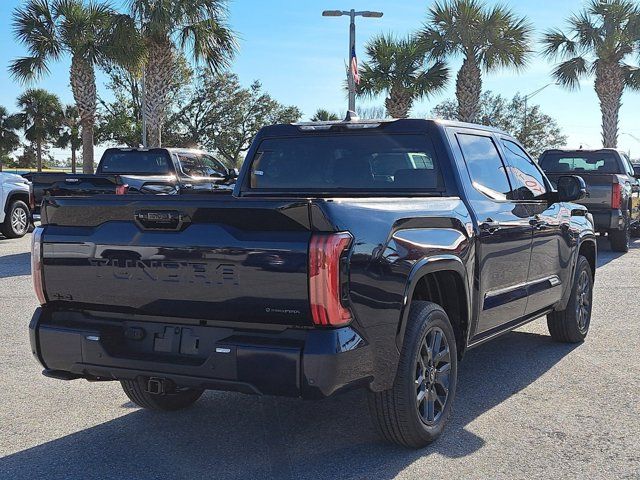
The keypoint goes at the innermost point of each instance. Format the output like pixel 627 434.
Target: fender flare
pixel 437 263
pixel 589 238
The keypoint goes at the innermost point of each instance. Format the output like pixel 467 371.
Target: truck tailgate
pixel 225 259
pixel 599 188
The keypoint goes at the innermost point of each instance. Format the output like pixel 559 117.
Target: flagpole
pixel 351 81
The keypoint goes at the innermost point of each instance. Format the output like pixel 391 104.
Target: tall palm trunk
pixel 398 103
pixel 73 159
pixel 158 75
pixel 468 89
pixel 39 155
pixel 83 86
pixel 609 86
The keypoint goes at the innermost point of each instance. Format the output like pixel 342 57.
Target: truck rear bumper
pixel 287 362
pixel 607 219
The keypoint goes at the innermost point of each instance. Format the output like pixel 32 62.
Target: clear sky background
pixel 299 56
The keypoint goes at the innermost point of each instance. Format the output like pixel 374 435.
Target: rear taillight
pixel 122 189
pixel 36 265
pixel 327 279
pixel 616 196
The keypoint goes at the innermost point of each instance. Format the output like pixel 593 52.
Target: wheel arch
pixel 16 195
pixel 443 280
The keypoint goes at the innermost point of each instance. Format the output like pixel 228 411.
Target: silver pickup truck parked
pixel 613 189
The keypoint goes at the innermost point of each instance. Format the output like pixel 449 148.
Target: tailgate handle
pixel 161 219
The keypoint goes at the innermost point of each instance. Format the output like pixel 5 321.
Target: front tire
pixel 177 399
pixel 414 412
pixel 17 221
pixel 571 325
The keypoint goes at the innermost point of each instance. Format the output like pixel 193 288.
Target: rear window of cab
pixel 343 163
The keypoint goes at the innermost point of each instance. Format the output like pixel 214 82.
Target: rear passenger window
pixel 528 182
pixel 485 166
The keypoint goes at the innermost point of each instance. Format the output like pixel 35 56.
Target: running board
pixel 507 327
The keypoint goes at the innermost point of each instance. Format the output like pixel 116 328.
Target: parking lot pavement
pixel 526 408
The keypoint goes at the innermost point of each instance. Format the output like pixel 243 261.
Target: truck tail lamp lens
pixel 327 278
pixel 122 189
pixel 616 196
pixel 36 265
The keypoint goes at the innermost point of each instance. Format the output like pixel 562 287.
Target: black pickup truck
pixel 613 189
pixel 351 254
pixel 149 171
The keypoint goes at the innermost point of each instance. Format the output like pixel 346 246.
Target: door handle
pixel 490 226
pixel 538 223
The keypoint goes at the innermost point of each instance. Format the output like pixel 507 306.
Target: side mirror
pixel 232 174
pixel 571 188
pixel 636 171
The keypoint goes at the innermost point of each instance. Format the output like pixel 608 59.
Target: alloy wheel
pixel 583 301
pixel 433 370
pixel 19 221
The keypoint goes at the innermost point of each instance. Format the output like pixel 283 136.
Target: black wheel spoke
pixel 442 356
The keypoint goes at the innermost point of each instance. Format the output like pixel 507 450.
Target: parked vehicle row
pixel 612 186
pixel 351 255
pixel 147 171
pixel 15 216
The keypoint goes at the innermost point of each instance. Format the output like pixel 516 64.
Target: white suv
pixel 15 216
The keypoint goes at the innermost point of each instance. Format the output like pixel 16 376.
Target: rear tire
pixel 620 239
pixel 17 220
pixel 178 399
pixel 414 412
pixel 571 325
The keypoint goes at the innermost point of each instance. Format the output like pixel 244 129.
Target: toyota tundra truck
pixel 352 254
pixel 613 189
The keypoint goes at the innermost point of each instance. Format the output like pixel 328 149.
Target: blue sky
pixel 298 55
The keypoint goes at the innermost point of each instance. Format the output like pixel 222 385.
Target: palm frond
pixel 27 69
pixel 569 72
pixel 432 80
pixel 632 77
pixel 557 45
pixel 34 26
pixel 210 41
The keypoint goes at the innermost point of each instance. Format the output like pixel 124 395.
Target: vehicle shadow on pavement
pixel 234 436
pixel 15 265
pixel 606 255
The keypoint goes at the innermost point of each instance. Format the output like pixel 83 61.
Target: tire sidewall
pixel 16 205
pixel 428 318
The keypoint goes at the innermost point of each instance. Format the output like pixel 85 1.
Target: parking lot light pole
pixel 351 82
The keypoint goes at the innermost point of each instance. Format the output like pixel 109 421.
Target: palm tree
pixel 323 115
pixel 91 33
pixel 9 138
pixel 602 38
pixel 198 26
pixel 397 68
pixel 40 116
pixel 69 136
pixel 485 38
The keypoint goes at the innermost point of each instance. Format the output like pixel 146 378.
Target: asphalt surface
pixel 526 408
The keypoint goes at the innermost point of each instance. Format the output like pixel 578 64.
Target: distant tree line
pixel 182 49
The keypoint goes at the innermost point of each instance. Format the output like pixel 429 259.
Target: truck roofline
pixel 405 125
pixel 582 150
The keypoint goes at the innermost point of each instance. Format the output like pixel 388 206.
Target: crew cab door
pixel 504 234
pixel 551 246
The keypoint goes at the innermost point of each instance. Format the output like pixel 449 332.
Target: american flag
pixel 354 66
